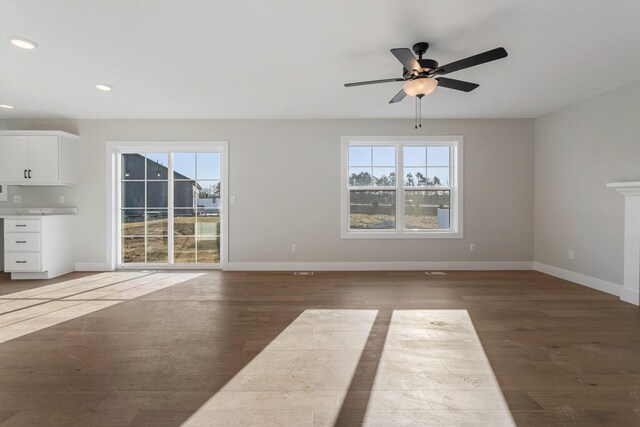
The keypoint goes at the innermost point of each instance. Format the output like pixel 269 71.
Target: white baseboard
pixel 378 266
pixel 92 266
pixel 630 296
pixel 581 279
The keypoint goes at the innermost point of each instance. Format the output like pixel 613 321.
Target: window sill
pixel 401 235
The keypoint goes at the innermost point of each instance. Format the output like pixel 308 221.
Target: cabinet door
pixel 43 158
pixel 14 158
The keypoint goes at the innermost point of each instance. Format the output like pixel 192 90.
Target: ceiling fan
pixel 422 76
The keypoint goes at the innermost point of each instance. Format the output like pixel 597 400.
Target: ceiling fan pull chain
pixel 420 111
pixel 416 123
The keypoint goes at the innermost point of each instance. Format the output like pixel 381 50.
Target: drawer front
pixel 22 242
pixel 21 262
pixel 17 225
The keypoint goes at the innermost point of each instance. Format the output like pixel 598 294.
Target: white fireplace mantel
pixel 631 287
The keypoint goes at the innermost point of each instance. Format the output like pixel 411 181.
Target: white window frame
pixel 455 142
pixel 114 151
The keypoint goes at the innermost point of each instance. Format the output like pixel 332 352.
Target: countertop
pixel 4 212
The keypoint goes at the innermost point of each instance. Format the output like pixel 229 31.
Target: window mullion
pixel 119 243
pixel 170 216
pixel 370 188
pixel 399 188
pixel 195 210
pixel 453 193
pixel 146 208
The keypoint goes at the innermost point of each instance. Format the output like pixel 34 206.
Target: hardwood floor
pixel 379 348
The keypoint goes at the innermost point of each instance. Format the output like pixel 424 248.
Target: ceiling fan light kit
pixel 422 76
pixel 422 86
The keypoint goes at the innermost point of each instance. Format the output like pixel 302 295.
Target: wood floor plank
pixel 558 353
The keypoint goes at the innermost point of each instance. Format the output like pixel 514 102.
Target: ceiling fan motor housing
pixel 428 64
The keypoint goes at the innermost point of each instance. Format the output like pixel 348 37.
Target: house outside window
pixel 402 187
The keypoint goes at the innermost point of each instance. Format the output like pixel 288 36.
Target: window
pixel 402 187
pixel 170 208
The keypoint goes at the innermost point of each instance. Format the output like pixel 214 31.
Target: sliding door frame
pixel 114 151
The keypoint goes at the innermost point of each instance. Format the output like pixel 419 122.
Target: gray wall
pixel 285 175
pixel 578 150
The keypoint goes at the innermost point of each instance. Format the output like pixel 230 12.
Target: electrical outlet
pixel 472 247
pixel 17 198
pixel 570 254
pixel 294 247
pixel 61 200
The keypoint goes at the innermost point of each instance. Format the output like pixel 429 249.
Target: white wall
pixel 577 151
pixel 285 175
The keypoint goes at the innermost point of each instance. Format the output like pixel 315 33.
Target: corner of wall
pixel 573 210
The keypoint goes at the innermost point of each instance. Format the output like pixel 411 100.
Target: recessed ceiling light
pixel 23 43
pixel 6 107
pixel 104 87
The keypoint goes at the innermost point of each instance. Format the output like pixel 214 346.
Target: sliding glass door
pixel 170 208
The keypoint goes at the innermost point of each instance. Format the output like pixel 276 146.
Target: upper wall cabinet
pixel 37 158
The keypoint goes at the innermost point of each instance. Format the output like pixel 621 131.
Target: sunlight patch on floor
pixel 24 312
pixel 430 369
pixel 434 371
pixel 308 367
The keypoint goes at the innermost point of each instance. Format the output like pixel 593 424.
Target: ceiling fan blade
pixel 407 59
pixel 456 84
pixel 399 97
pixel 472 61
pixel 373 82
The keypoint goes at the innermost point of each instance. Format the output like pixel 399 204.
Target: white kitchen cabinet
pixel 41 150
pixel 37 158
pixel 14 152
pixel 39 247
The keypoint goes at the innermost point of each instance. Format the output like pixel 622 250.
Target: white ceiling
pixel 290 58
